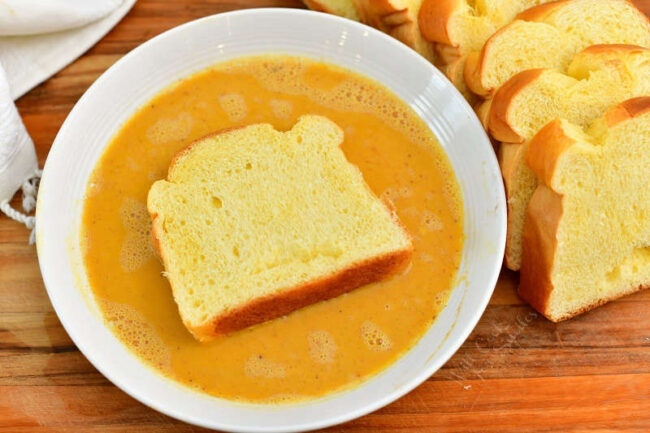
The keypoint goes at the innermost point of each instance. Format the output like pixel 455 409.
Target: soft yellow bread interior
pixel 473 22
pixel 551 35
pixel 254 212
pixel 342 8
pixel 598 78
pixel 602 236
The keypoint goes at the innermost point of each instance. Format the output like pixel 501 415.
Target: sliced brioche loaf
pixel 549 35
pixel 587 234
pixel 398 18
pixel 598 78
pixel 466 25
pixel 342 8
pixel 253 223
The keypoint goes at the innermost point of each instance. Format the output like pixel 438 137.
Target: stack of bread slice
pixel 398 18
pixel 526 65
pixel 587 234
pixel 597 79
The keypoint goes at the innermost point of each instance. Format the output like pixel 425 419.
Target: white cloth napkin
pixel 45 36
pixel 31 17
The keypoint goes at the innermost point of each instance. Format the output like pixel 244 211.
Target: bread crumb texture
pixel 253 212
pixel 597 79
pixel 549 35
pixel 600 176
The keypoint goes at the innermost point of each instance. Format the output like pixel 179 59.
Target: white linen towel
pixel 45 36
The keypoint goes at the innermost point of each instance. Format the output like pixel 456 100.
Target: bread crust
pixel 476 61
pixel 472 71
pixel 627 110
pixel 608 48
pixel 540 12
pixel 286 300
pixel 498 117
pixel 509 154
pixel 434 19
pixel 395 21
pixel 499 123
pixel 545 211
pixel 540 243
pixel 315 5
pixel 545 150
pixel 447 54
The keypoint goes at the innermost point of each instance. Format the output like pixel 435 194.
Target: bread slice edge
pixel 286 300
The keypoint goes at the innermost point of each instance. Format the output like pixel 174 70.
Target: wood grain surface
pixel 517 372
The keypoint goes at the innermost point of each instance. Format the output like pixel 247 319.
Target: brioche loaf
pixel 459 27
pixel 549 35
pixel 587 234
pixel 253 223
pixel 398 18
pixel 597 79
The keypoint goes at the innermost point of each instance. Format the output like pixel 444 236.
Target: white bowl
pixel 137 77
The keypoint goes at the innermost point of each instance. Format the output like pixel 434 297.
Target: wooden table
pixel 516 372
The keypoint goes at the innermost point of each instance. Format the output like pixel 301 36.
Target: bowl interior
pixel 194 46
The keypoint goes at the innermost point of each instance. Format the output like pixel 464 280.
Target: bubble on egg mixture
pixel 234 105
pixel 349 94
pixel 259 366
pixel 137 334
pixel 322 347
pixel 136 246
pixel 281 109
pixel 393 193
pixel 431 221
pixel 374 337
pixel 169 129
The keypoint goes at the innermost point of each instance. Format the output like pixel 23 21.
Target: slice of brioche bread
pixel 598 78
pixel 466 25
pixel 342 8
pixel 454 72
pixel 549 35
pixel 398 18
pixel 587 234
pixel 253 223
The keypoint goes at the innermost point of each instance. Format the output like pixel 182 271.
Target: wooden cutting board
pixel 517 372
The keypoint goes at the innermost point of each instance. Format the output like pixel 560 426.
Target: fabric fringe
pixel 30 192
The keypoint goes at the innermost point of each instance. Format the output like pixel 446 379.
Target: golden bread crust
pixel 542 219
pixel 434 18
pixel 540 12
pixel 316 6
pixel 545 149
pixel 545 211
pixel 509 154
pixel 398 22
pixel 627 110
pixel 473 69
pixel 286 301
pixel 609 48
pixel 498 123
